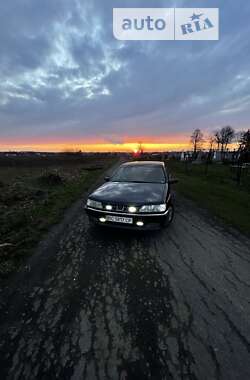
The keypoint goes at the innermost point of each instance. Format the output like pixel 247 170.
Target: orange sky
pixel 127 144
pixel 124 147
pixel 149 144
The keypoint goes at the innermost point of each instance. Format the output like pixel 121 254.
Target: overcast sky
pixel 64 76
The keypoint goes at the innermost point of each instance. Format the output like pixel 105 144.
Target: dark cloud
pixel 61 71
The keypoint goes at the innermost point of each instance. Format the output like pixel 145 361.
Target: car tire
pixel 169 217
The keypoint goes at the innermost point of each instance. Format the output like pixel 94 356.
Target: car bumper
pixel 150 221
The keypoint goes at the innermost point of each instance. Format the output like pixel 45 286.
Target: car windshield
pixel 140 173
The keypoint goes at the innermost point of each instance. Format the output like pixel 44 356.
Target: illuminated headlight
pixel 153 208
pixel 132 209
pixel 108 207
pixel 94 204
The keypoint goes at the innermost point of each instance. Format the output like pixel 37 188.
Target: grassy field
pixel 34 193
pixel 215 190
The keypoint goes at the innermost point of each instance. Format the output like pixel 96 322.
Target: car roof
pixel 144 163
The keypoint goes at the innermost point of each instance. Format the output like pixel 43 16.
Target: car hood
pixel 130 192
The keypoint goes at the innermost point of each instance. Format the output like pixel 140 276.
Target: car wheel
pixel 169 217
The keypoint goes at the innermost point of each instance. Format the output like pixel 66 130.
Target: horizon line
pixel 99 147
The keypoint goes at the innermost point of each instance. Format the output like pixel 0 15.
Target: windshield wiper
pixel 137 181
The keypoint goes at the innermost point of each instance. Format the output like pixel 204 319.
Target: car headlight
pixel 94 204
pixel 132 209
pixel 153 208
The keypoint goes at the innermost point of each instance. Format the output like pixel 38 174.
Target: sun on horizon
pixel 98 147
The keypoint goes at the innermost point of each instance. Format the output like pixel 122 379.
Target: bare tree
pixel 211 141
pixel 245 141
pixel 196 140
pixel 237 137
pixel 224 137
pixel 227 135
pixel 244 148
pixel 217 138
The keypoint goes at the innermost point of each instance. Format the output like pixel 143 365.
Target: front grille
pixel 120 208
pixel 117 207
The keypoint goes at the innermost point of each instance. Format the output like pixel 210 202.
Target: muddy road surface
pixel 107 304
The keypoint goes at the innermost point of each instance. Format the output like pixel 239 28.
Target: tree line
pixel 220 140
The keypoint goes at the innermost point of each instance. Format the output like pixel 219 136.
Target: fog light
pixel 132 209
pixel 108 207
pixel 139 223
pixel 102 220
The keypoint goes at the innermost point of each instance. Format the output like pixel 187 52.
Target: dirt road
pixel 95 304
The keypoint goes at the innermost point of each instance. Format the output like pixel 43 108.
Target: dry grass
pixel 34 196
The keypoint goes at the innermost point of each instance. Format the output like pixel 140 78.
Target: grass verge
pixel 215 190
pixel 33 198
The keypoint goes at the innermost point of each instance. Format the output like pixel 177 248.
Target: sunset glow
pixel 101 147
pixel 70 85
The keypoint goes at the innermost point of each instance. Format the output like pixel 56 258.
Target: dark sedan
pixel 138 195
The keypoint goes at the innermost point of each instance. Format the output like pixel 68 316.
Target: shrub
pixel 51 179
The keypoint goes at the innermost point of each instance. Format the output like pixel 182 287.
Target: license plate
pixel 119 219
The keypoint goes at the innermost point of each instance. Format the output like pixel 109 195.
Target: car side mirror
pixel 172 181
pixel 106 179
